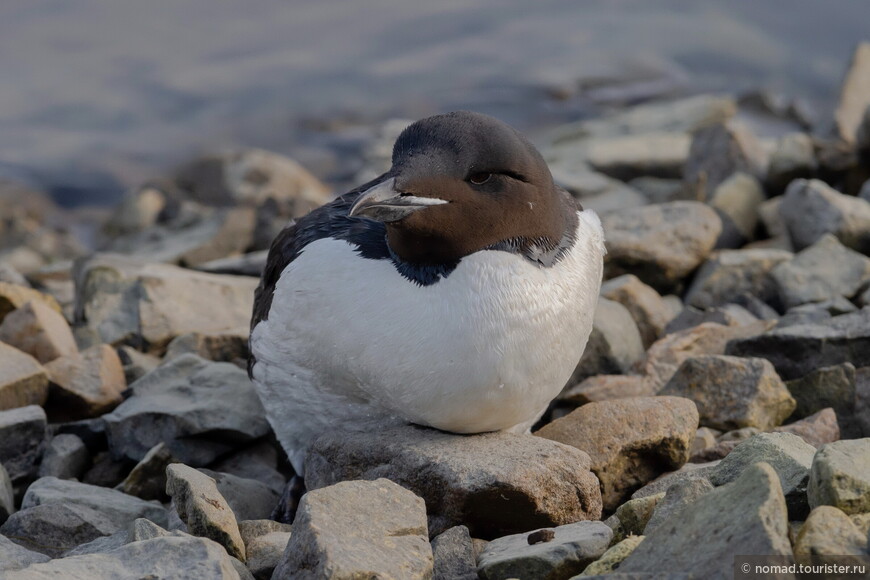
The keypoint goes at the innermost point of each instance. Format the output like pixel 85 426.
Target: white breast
pixel 485 349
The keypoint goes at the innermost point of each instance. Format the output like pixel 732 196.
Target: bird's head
pixel 460 183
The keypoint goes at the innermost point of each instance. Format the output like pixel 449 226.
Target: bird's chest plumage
pixel 485 348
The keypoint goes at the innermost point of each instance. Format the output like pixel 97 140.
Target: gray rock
pixel 727 314
pixel 147 305
pixel 840 476
pixel 358 529
pixel 704 438
pixel 265 541
pixel 219 347
pixel 733 392
pixel 634 515
pixel 769 214
pixel 736 200
pixel 256 461
pixel 65 457
pixel 788 455
pixel 147 480
pixel 7 495
pixel 645 305
pixel 248 498
pixel 136 364
pixel 106 472
pixel 454 555
pixel 811 209
pixel 203 508
pixel 630 441
pixel 614 346
pixel 747 516
pixel 660 244
pixel 138 530
pixel 85 385
pixel 23 432
pixel 10 275
pixel 485 481
pixel 38 330
pixel 730 273
pixel 612 558
pixel 678 496
pixel 15 557
pixel 824 271
pixel 829 532
pixel 571 548
pixel 628 156
pixel 180 557
pixel 688 472
pixel 23 381
pixel 618 198
pixel 719 151
pixel 817 429
pixel 659 190
pixel 250 264
pixel 793 157
pixel 606 387
pixel 854 94
pixel 825 387
pixel 182 403
pixel 798 350
pixel 13 297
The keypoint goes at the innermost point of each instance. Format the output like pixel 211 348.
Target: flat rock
pixel 630 441
pixel 811 209
pixel 661 244
pixel 736 200
pixel 203 508
pixel 854 94
pixel 182 403
pixel 747 516
pixel 568 551
pixel 454 555
pixel 23 381
pixel 607 387
pixel 85 385
pixel 628 156
pixel 612 558
pixel 727 314
pixel 788 455
pixel 832 386
pixel 733 392
pixel 666 355
pixel 39 330
pixel 13 297
pixel 643 303
pixel 798 350
pixel 147 305
pixel 719 151
pixel 15 557
pixel 485 481
pixel 358 529
pixel 678 496
pixel 250 264
pixel 817 429
pixel 614 346
pixel 840 476
pixel 824 271
pixel 23 432
pixel 147 480
pixel 731 273
pixel 65 457
pixel 829 532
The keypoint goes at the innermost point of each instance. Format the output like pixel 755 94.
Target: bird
pixel 456 291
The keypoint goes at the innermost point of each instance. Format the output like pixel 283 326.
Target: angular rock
pixel 23 381
pixel 256 461
pixel 7 498
pixel 811 209
pixel 728 274
pixel 147 480
pixel 203 508
pixel 817 429
pixel 618 198
pixel 854 94
pixel 666 355
pixel 628 156
pixel 38 330
pixel 146 306
pixel 643 303
pixel 23 432
pixel 13 297
pixel 832 386
pixel 824 271
pixel 829 532
pixel 65 457
pixel 679 496
pixel 248 498
pixel 793 157
pixel 454 555
pixel 704 438
pixel 747 516
pixel 798 350
pixel 614 346
pixel 736 200
pixel 358 529
pixel 138 530
pixel 485 481
pixel 612 558
pixel 840 476
pixel 85 385
pixel 568 552
pixel 265 549
pixel 788 455
pixel 200 409
pixel 218 347
pixel 250 264
pixel 15 557
pixel 607 387
pixel 630 441
pixel 634 515
pixel 732 392
pixel 660 244
pixel 728 315
pixel 688 472
pixel 719 151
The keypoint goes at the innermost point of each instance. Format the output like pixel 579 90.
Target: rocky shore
pixel 722 407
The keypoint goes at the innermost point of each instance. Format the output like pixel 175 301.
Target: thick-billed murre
pixel 456 291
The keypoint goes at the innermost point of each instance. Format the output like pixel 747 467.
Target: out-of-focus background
pixel 96 96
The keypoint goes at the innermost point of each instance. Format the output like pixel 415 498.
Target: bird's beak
pixel 384 204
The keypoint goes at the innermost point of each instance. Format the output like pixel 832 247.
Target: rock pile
pixel 722 406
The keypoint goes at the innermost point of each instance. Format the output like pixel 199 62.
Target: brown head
pixel 463 182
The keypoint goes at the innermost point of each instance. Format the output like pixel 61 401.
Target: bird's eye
pixel 479 178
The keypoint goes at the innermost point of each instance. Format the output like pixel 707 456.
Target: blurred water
pixel 96 94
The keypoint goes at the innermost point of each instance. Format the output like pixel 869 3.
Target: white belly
pixel 484 349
